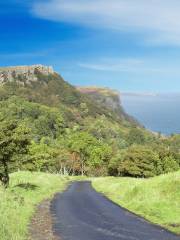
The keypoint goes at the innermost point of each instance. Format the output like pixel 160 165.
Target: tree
pixel 170 164
pixel 115 162
pixel 79 143
pixel 136 136
pixel 140 161
pixel 99 157
pixel 41 156
pixel 49 123
pixel 64 162
pixel 14 140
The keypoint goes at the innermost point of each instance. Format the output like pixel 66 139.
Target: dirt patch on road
pixel 41 224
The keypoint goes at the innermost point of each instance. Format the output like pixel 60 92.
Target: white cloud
pixel 121 65
pixel 158 19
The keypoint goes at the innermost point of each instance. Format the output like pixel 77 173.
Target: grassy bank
pixel 157 199
pixel 17 203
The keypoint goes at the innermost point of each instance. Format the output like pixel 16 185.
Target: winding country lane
pixel 83 214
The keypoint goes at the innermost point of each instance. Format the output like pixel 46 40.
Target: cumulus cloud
pixel 158 19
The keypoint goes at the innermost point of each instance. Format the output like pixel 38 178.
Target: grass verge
pixel 156 199
pixel 17 203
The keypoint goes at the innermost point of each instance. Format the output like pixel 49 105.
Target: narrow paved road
pixel 83 214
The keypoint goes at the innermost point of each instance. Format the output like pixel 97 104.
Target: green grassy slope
pixel 157 199
pixel 17 203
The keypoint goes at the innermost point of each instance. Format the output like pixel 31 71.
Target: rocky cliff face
pixel 108 97
pixel 23 74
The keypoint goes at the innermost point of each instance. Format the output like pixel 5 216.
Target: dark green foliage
pixel 42 120
pixel 136 136
pixel 14 139
pixel 115 162
pixel 140 161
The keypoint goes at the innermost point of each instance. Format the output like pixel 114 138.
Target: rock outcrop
pixel 23 74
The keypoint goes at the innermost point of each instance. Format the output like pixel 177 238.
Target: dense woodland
pixel 51 126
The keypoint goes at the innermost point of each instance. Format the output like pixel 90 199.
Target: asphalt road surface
pixel 83 214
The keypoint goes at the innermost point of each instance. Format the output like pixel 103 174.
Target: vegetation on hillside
pixel 56 128
pixel 156 199
pixel 50 126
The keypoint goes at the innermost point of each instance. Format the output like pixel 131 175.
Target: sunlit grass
pixel 17 203
pixel 157 199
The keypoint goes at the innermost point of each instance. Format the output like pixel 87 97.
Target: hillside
pixel 74 131
pixel 35 83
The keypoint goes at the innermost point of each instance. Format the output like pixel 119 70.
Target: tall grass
pixel 157 199
pixel 17 203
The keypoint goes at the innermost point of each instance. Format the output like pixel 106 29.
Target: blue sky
pixel 129 45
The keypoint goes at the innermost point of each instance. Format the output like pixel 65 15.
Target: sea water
pixel 157 112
